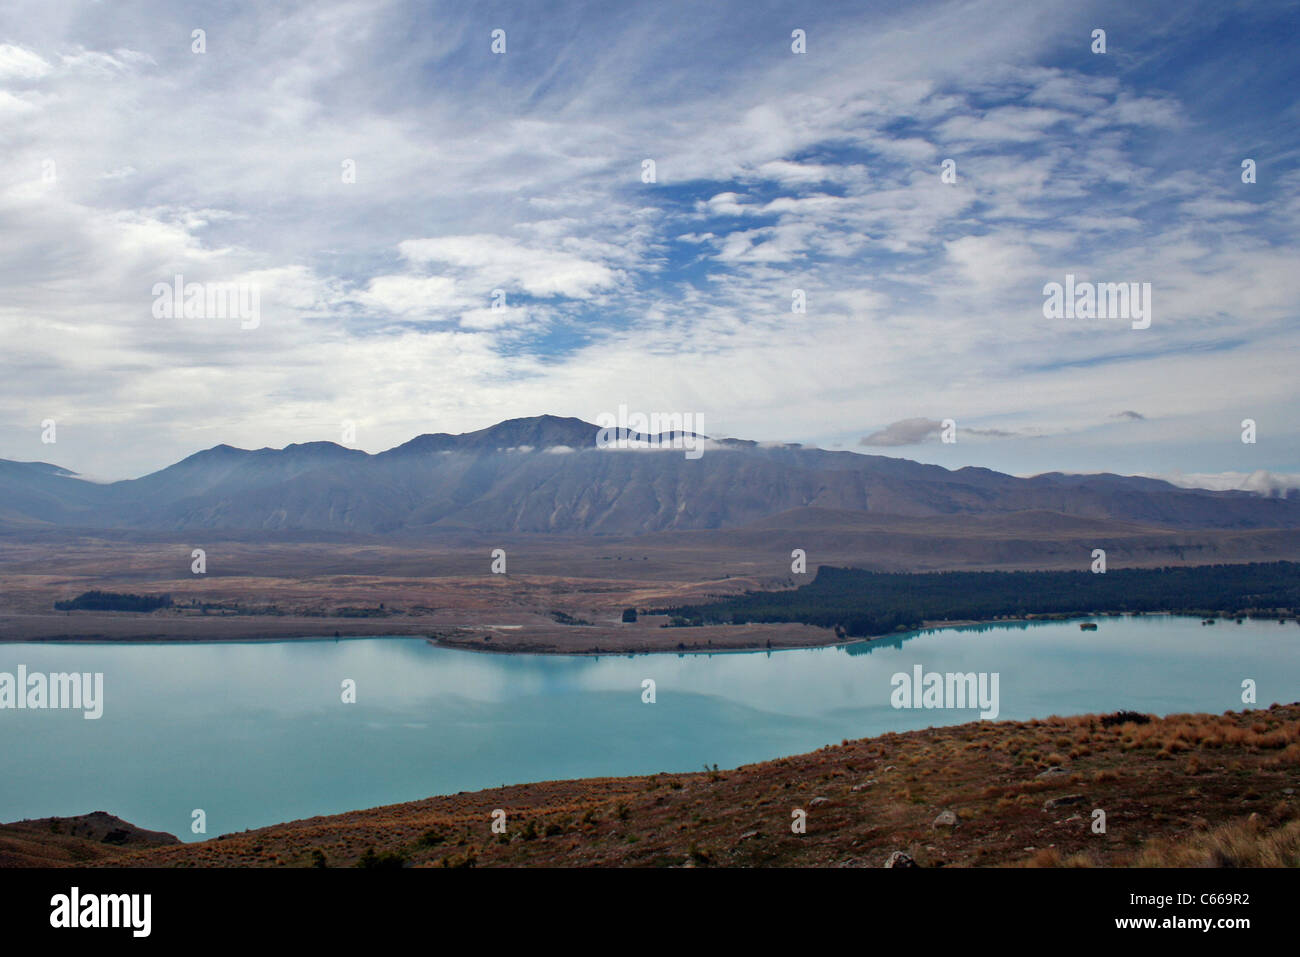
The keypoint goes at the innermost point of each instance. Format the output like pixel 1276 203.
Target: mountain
pixel 546 474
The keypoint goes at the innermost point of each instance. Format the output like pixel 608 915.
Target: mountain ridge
pixel 549 474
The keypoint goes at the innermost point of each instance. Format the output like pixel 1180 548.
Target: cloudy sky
pixel 442 236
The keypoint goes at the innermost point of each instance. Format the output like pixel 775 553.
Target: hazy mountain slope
pixel 44 493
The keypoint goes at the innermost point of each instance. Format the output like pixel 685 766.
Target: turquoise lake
pixel 257 733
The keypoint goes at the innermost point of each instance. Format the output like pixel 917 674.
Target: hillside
pixel 51 841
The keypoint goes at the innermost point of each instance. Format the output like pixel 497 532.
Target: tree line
pixel 861 603
pixel 114 601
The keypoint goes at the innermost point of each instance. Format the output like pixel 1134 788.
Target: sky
pixel 441 235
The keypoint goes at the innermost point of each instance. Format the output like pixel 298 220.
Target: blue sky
pixel 130 158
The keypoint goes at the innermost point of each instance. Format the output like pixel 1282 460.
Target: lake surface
pixel 257 733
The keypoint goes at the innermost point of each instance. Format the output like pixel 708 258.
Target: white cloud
pixel 903 432
pixel 822 173
pixel 1003 124
pixel 409 295
pixel 1260 481
pixel 17 63
pixel 499 261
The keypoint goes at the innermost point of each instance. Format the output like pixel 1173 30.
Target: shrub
pixel 1124 717
pixel 388 860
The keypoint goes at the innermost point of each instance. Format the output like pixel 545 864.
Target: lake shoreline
pixel 648 638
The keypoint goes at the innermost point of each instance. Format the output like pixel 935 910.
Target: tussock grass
pixel 1246 843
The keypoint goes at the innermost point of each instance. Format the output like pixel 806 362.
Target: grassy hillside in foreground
pixel 1186 790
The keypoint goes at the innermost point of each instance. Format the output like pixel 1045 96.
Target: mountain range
pixel 547 474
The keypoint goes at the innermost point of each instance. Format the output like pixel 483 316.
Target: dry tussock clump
pixel 1290 755
pixel 1183 732
pixel 1051 857
pixel 1246 843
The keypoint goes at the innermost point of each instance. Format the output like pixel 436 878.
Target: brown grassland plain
pixel 443 587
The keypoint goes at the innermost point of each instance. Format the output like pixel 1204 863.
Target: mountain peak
pixel 322 448
pixel 532 432
pixel 540 431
